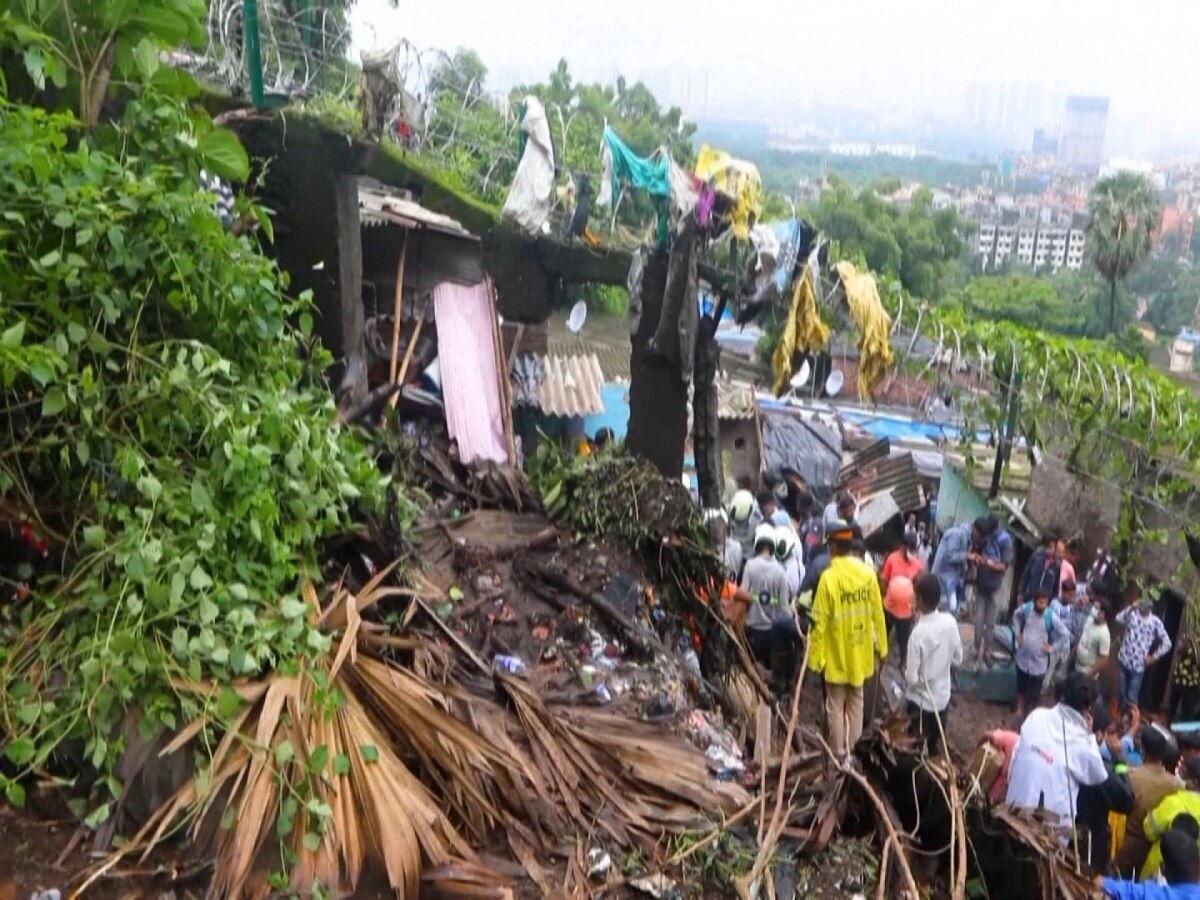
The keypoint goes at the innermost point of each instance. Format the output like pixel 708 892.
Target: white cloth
pixel 793 568
pixel 933 648
pixel 529 198
pixel 1054 756
pixel 684 196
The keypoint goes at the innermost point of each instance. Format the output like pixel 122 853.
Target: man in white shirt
pixel 1057 753
pixel 934 647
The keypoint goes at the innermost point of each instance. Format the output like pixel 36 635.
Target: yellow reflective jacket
pixel 1159 819
pixel 847 623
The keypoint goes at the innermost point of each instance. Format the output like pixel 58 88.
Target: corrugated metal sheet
pixel 466 322
pixel 897 475
pixel 567 386
pixel 864 458
pixel 378 206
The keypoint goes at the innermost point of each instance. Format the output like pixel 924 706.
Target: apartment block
pixel 1031 243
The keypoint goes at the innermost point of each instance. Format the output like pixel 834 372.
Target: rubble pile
pixel 531 709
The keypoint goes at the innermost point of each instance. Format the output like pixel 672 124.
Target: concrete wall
pixel 739 445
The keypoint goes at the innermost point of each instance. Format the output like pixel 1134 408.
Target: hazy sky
pixel 773 58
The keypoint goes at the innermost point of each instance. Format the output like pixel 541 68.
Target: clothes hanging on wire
pixel 529 198
pixel 803 331
pixel 658 175
pixel 874 326
pixel 737 179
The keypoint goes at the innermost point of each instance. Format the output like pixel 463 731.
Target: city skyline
pixel 906 66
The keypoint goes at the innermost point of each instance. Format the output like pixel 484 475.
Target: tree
pixel 921 246
pixel 1024 300
pixel 1123 212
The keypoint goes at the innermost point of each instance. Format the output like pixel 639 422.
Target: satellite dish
pixel 800 379
pixel 577 318
pixel 833 384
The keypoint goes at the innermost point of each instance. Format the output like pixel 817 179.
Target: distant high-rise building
pixel 1081 143
pixel 1044 143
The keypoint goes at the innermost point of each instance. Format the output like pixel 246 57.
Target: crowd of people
pixel 1126 792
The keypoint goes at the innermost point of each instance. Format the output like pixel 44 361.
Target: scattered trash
pixel 603 693
pixel 512 665
pixel 51 894
pixel 599 864
pixel 658 886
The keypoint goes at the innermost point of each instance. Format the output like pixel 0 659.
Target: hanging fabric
pixel 651 175
pixel 529 198
pixel 466 323
pixel 803 331
pixel 737 179
pixel 874 326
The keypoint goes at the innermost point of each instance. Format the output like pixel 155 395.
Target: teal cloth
pixel 650 175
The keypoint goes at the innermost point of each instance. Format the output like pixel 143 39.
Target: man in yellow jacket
pixel 847 637
pixel 1162 816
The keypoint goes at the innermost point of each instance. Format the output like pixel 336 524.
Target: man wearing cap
pixel 741 521
pixel 770 621
pixel 847 638
pixel 1151 783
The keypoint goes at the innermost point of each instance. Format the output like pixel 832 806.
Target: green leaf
pixel 35 65
pixel 455 593
pixel 76 333
pixel 284 753
pixel 291 608
pixel 317 759
pixel 168 25
pixel 20 751
pixel 145 55
pixel 97 816
pixel 370 753
pixel 54 402
pixel 306 324
pixel 224 155
pixel 199 579
pixel 11 338
pixel 15 794
pixel 341 764
pixel 263 217
pixel 312 842
pixel 50 259
pixel 176 82
pixel 93 537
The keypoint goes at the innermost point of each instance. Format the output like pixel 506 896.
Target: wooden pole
pixel 408 354
pixel 398 310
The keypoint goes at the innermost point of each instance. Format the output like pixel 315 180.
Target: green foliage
pixel 162 429
pixel 478 136
pixel 916 243
pixel 82 46
pixel 609 299
pixel 1123 212
pixel 1172 290
pixel 1025 300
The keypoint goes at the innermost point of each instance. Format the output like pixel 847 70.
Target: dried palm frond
pixel 404 774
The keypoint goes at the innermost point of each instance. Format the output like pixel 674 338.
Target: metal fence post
pixel 253 51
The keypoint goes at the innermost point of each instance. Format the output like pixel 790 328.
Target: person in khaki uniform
pixel 848 636
pixel 1151 783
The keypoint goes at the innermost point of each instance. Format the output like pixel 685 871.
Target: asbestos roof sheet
pixel 380 207
pixel 735 401
pixel 567 386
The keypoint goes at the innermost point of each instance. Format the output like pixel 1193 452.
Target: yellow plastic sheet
pixel 735 178
pixel 874 327
pixel 803 331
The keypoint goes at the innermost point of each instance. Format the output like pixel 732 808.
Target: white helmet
pixel 741 506
pixel 785 541
pixel 764 534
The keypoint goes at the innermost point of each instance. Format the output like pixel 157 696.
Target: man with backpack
pixel 1037 630
pixel 992 560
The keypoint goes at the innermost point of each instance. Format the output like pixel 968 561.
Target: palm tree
pixel 1123 212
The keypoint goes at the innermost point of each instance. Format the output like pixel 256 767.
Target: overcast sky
pixel 772 58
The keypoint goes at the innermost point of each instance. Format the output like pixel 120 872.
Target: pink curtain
pixel 467 365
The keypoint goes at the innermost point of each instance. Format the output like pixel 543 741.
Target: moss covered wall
pixel 301 154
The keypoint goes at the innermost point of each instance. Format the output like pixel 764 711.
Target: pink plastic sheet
pixel 466 319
